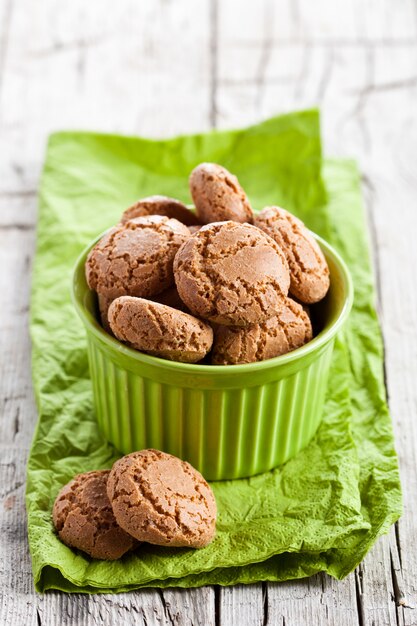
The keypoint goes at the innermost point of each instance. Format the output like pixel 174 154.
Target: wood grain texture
pixel 148 607
pixel 318 600
pixel 17 240
pixel 242 604
pixel 160 68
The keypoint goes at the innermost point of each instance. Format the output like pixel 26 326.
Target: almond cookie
pixel 160 330
pixel 232 274
pixel 218 195
pixel 84 518
pixel 160 205
pixel 136 258
pixel 310 279
pixel 288 330
pixel 160 499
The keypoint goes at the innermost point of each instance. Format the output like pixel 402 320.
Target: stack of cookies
pixel 147 496
pixel 221 285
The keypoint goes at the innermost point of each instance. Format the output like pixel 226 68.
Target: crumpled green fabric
pixel 321 511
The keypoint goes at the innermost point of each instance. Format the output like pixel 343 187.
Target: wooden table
pixel 162 67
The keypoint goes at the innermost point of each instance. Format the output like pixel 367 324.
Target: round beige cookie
pixel 84 519
pixel 160 499
pixel 218 195
pixel 159 329
pixel 160 205
pixel 231 274
pixel 280 334
pixel 310 278
pixel 136 258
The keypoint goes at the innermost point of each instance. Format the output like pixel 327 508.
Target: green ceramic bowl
pixel 228 421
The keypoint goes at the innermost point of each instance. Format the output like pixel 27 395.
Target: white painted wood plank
pixel 375 587
pixel 388 117
pixel 17 604
pixel 17 240
pixel 147 607
pixel 5 19
pixel 189 607
pixel 357 21
pixel 129 67
pixel 317 600
pixel 394 192
pixel 243 604
pixel 322 22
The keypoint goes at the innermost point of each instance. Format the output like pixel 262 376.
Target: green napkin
pixel 322 510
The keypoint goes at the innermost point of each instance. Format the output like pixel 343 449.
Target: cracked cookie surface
pixel 84 519
pixel 136 258
pixel 310 279
pixel 160 330
pixel 160 205
pixel 218 196
pixel 162 500
pixel 232 274
pixel 280 334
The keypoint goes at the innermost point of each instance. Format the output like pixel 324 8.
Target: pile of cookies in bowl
pixel 220 284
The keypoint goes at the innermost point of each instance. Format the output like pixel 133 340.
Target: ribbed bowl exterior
pixel 227 421
pixel 224 433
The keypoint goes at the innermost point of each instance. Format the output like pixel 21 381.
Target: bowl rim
pixel 314 345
